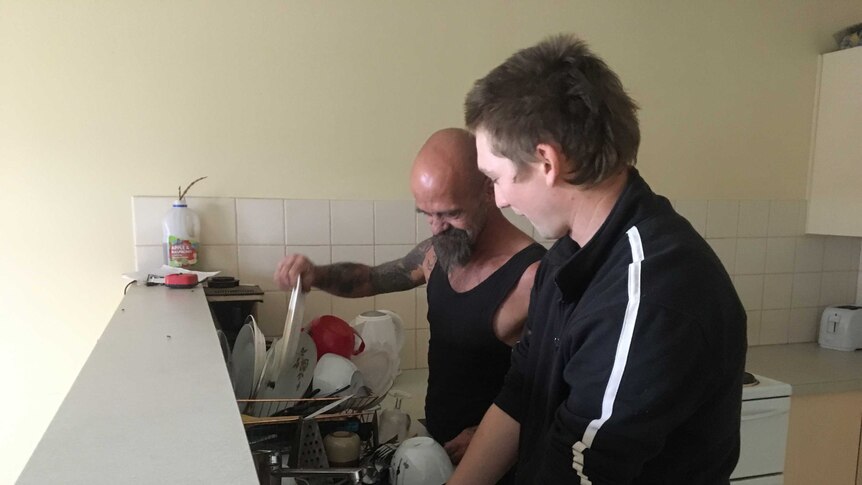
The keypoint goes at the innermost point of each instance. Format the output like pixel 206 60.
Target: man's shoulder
pixel 670 242
pixel 681 271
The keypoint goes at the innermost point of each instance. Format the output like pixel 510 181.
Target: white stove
pixel 765 388
pixel 763 433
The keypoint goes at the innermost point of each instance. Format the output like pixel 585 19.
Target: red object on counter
pixel 333 335
pixel 181 280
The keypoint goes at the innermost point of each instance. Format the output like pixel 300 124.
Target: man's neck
pixel 497 234
pixel 591 207
pixel 496 243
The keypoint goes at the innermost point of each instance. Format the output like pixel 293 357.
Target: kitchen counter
pixel 807 367
pixel 152 404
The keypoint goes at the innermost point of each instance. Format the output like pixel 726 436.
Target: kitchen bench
pixel 152 404
pixel 807 367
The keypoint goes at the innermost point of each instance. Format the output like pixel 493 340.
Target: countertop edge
pixel 807 367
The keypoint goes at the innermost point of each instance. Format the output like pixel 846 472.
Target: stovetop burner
pixel 748 380
pixel 762 387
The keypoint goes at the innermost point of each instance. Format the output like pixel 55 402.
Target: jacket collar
pixel 633 205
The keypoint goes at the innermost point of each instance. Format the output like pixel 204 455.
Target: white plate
pixel 225 347
pixel 272 355
pixel 259 353
pixel 293 379
pixel 242 363
pixel 292 325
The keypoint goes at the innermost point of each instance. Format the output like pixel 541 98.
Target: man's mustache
pixel 453 233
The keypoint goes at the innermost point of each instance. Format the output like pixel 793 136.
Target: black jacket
pixel 630 370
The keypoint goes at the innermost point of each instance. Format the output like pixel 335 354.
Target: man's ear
pixel 553 164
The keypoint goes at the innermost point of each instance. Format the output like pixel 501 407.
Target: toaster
pixel 841 328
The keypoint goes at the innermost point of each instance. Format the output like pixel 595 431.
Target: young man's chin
pixel 547 234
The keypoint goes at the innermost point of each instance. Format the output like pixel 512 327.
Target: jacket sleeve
pixel 622 405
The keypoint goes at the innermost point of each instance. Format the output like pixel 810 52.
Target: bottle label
pixel 182 253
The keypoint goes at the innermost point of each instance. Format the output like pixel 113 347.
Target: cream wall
pixel 100 101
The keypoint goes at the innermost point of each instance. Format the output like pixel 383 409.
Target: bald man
pixel 479 269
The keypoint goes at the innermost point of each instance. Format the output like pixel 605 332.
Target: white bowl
pixel 334 372
pixel 420 461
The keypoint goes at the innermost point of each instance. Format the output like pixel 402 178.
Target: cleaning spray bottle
pixel 181 229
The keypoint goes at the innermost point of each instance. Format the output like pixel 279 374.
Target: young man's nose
pixel 499 199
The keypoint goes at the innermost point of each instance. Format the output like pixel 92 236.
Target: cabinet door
pixel 835 175
pixel 823 440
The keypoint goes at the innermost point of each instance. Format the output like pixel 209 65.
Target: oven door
pixel 763 438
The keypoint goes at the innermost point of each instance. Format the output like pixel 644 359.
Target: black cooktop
pixel 748 379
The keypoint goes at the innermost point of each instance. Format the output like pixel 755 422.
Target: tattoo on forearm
pixel 343 279
pixel 358 280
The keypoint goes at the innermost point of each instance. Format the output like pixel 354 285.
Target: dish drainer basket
pixel 282 411
pixel 297 450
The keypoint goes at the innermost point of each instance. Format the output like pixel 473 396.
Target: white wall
pixel 100 101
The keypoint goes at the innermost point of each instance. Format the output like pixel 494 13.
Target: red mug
pixel 333 335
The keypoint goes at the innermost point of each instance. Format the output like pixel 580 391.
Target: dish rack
pixel 286 441
pixel 281 411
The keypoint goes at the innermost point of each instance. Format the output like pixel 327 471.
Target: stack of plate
pixel 247 360
pixel 225 346
pixel 288 366
pixel 289 382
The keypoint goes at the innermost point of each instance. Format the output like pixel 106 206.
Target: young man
pixel 479 269
pixel 630 370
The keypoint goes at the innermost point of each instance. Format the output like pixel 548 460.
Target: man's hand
pixel 290 267
pixel 493 450
pixel 458 445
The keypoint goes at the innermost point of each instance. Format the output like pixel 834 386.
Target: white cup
pixel 394 423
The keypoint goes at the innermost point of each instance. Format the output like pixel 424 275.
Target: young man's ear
pixel 552 162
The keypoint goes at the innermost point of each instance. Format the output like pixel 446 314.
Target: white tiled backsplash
pixel 784 278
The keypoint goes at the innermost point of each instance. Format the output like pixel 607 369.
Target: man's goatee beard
pixel 452 248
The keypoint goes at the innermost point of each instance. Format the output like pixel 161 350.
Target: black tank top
pixel 466 361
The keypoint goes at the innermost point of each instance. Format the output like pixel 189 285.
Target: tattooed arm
pixel 354 280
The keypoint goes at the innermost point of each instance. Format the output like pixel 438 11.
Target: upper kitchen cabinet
pixel 835 174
